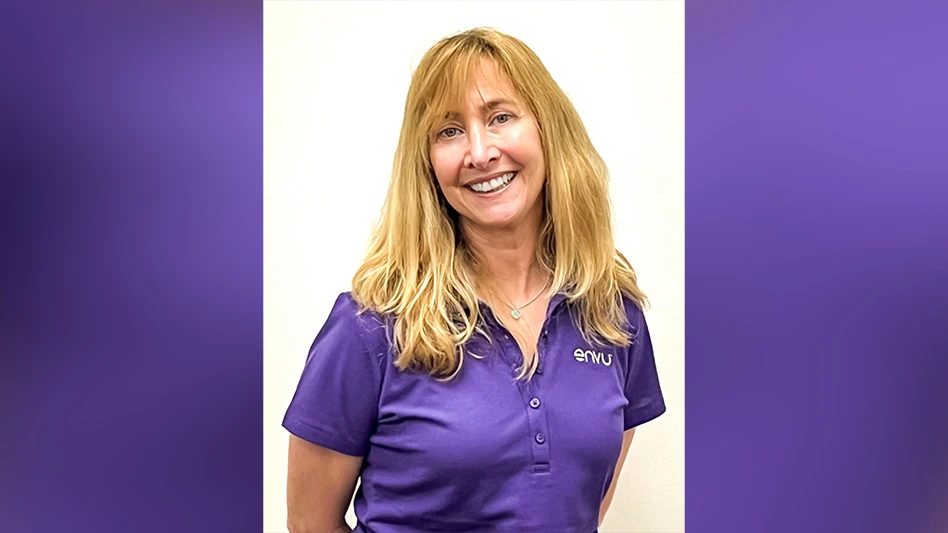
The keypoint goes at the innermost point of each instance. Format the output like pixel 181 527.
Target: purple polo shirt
pixel 483 452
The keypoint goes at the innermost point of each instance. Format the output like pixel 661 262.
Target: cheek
pixel 445 166
pixel 525 147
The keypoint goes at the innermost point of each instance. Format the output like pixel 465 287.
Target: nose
pixel 481 149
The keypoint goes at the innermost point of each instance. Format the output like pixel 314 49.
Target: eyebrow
pixel 487 106
pixel 497 102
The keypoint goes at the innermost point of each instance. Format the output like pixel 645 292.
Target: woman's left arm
pixel 626 442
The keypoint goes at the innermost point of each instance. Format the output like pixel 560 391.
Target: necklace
pixel 515 310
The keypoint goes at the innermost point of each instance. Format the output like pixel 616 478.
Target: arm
pixel 626 442
pixel 319 487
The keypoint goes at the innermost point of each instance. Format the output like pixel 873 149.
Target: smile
pixel 494 185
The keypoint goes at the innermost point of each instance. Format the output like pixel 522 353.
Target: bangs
pixel 450 79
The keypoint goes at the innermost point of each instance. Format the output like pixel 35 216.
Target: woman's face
pixel 487 156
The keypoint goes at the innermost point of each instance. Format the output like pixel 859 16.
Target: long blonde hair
pixel 417 266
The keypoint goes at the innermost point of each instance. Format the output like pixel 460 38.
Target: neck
pixel 509 259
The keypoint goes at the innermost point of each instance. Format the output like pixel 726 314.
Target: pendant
pixel 516 314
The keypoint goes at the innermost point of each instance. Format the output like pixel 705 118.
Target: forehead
pixel 486 83
pixel 480 87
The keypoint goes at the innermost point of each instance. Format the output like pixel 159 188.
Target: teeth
pixel 493 184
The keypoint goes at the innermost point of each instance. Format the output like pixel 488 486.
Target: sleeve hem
pixel 641 416
pixel 322 437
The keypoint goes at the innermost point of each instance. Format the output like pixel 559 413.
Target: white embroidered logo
pixel 584 356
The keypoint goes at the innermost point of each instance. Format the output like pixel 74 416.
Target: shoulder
pixel 640 341
pixel 634 315
pixel 352 323
pixel 347 310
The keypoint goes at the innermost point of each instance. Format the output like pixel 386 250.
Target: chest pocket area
pixel 587 400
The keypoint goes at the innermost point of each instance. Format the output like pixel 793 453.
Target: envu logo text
pixel 586 356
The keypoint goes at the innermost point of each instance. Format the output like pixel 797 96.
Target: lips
pixel 490 177
pixel 492 184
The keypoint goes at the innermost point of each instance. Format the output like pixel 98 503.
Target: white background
pixel 335 79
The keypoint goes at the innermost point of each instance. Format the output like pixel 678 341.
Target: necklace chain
pixel 515 310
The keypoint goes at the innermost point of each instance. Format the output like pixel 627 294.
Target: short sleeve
pixel 336 400
pixel 642 388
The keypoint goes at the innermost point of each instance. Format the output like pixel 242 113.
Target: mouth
pixel 493 185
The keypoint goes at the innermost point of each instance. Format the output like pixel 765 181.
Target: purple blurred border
pixel 817 259
pixel 132 273
pixel 131 202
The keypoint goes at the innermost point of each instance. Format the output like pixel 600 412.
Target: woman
pixel 488 369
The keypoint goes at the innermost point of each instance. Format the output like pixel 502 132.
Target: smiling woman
pixel 448 379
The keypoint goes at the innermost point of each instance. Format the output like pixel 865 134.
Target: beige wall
pixel 335 76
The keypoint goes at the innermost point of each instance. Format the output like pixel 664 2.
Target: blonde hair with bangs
pixel 418 267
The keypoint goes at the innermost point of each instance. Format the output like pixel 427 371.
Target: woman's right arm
pixel 319 487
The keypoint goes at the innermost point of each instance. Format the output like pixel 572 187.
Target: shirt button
pixel 540 438
pixel 539 369
pixel 535 402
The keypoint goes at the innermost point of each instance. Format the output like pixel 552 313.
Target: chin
pixel 499 216
pixel 498 221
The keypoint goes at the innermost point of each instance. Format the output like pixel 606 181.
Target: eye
pixel 448 133
pixel 503 118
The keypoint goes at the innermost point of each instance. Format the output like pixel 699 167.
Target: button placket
pixel 511 355
pixel 537 422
